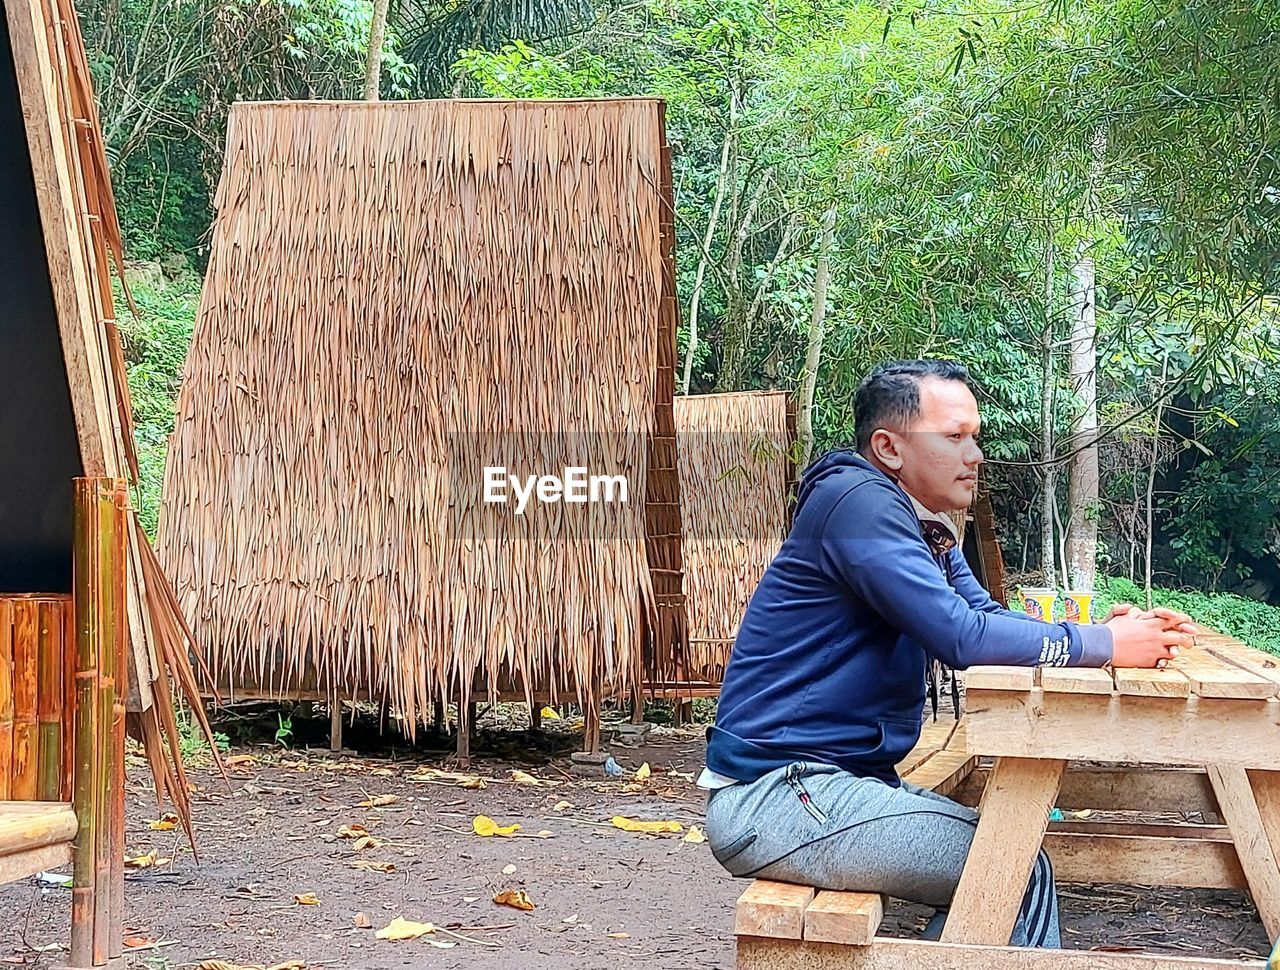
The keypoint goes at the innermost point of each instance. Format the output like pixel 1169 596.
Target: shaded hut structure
pixel 90 633
pixel 737 475
pixel 402 296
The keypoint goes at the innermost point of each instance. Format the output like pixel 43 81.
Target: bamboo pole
pixel 99 610
pixel 50 653
pixel 6 697
pixel 115 934
pixel 68 701
pixel 25 729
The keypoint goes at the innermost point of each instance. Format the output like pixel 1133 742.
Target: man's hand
pixel 1147 639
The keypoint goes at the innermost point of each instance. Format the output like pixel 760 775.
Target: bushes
pixel 1254 622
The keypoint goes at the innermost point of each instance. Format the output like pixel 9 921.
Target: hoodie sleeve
pixel 966 584
pixel 871 542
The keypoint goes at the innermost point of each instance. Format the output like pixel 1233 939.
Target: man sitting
pixel 824 693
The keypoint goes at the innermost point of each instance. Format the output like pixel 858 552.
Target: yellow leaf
pixel 145 861
pixel 695 836
pixel 288 965
pixel 368 865
pixel 484 825
pixel 366 842
pixel 524 778
pixel 240 759
pixel 578 725
pixel 515 898
pixel 355 831
pixel 306 899
pixel 378 801
pixel 471 782
pixel 549 714
pixel 643 772
pixel 383 772
pixel 164 823
pixel 404 929
pixel 562 806
pixel 631 825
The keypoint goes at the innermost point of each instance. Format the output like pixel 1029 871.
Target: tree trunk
pixel 377 36
pixel 733 346
pixel 705 256
pixel 1082 493
pixel 1151 474
pixel 1048 377
pixel 817 330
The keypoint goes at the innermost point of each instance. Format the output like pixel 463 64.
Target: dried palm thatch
pixel 78 240
pixel 736 473
pixel 398 295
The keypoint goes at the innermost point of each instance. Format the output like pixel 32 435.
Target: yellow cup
pixel 1038 602
pixel 1077 606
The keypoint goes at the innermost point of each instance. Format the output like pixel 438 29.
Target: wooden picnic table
pixel 1215 707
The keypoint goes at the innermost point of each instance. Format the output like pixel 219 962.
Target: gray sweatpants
pixel 817 825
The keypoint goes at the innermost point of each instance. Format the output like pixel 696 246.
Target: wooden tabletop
pixel 1219 666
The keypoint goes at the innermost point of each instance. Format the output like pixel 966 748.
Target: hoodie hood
pixel 834 463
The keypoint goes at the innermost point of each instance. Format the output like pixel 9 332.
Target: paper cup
pixel 1038 602
pixel 1077 606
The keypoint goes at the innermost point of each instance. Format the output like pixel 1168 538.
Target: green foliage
pixel 192 744
pixel 155 343
pixel 1254 622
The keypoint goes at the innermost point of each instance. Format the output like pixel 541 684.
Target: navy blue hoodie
pixel 829 663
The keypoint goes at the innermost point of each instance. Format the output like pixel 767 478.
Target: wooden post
pixel 466 718
pixel 49 690
pixel 335 723
pixel 535 715
pixel 637 704
pixel 98 590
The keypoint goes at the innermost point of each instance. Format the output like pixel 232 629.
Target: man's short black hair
pixel 889 397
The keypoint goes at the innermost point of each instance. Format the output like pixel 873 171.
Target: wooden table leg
pixel 1242 798
pixel 1014 814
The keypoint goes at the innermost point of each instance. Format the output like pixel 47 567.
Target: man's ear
pixel 884 447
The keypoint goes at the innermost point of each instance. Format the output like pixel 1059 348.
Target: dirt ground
pixel 603 897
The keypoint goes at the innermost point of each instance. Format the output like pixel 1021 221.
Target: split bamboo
pixel 26 736
pixel 50 617
pixel 6 697
pixel 406 292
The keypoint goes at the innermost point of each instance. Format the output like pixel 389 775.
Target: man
pixel 825 689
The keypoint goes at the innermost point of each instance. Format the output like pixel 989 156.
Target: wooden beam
pixel 1143 730
pixel 1143 682
pixel 20 865
pixel 887 953
pixel 1257 857
pixel 1136 860
pixel 848 918
pixel 1109 789
pixel 999 678
pixel 1076 680
pixel 21 831
pixel 1013 816
pixel 772 909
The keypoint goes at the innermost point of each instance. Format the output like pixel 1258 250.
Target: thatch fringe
pixel 736 470
pixel 399 294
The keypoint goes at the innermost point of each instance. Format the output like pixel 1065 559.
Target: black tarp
pixel 39 454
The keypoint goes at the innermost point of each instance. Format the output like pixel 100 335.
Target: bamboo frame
pixel 6 698
pixel 26 737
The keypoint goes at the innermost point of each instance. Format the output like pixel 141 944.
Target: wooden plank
pixel 944 772
pixel 1076 680
pixel 934 737
pixel 20 831
pixel 1146 682
pixel 1158 830
pixel 1266 793
pixel 848 918
pixel 1211 677
pixel 1146 730
pixel 20 865
pixel 1181 791
pixel 1257 857
pixel 1138 860
pixel 887 953
pixel 772 909
pixel 1013 816
pixel 999 678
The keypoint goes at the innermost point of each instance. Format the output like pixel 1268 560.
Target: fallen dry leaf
pixel 240 759
pixel 355 831
pixel 619 936
pixel 484 825
pixel 368 865
pixel 306 899
pixel 378 801
pixel 508 870
pixel 524 778
pixel 223 965
pixel 164 823
pixel 366 842
pixel 515 898
pixel 383 772
pixel 471 782
pixel 562 806
pixel 148 860
pixel 631 825
pixel 549 713
pixel 136 941
pixel 361 921
pixel 643 772
pixel 404 929
pixel 695 836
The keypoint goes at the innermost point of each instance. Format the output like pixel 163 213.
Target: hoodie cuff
pixel 1096 644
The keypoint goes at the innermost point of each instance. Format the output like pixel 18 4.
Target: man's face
pixel 938 456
